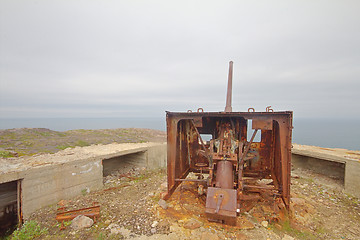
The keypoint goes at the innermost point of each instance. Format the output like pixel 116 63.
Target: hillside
pixel 30 141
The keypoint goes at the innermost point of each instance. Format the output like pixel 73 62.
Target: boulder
pixel 163 204
pixel 81 222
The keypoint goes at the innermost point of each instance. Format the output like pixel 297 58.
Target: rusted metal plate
pixel 221 204
pixel 263 124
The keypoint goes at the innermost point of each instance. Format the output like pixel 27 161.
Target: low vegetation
pixel 6 154
pixel 29 230
pixel 31 141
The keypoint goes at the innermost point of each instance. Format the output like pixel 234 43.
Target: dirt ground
pixel 131 209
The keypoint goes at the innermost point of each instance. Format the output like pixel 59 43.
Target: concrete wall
pixel 156 157
pixel 332 169
pixel 352 177
pixel 43 186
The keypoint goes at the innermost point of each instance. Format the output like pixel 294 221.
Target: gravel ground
pixel 130 209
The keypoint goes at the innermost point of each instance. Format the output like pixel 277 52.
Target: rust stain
pixel 185 203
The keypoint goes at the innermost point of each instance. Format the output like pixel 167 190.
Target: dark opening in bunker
pixel 124 163
pixel 10 206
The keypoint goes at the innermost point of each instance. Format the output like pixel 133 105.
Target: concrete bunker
pixel 124 163
pixel 10 206
pixel 28 184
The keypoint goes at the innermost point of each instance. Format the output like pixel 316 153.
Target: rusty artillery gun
pixel 232 163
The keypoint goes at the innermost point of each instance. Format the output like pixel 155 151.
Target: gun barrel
pixel 228 107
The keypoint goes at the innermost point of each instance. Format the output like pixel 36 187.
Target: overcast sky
pixel 140 58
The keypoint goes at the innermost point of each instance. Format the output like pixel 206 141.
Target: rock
pixel 287 237
pixel 265 224
pixel 151 194
pixel 208 235
pixel 163 224
pixel 113 225
pixel 114 231
pixel 153 230
pixel 243 223
pixel 154 224
pixel 81 222
pixel 107 222
pixel 175 228
pixel 192 224
pixel 163 204
pixel 123 231
pixel 293 175
pixel 164 186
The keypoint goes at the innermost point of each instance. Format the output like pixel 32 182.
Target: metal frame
pixel 270 158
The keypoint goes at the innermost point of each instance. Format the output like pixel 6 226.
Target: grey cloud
pixel 140 57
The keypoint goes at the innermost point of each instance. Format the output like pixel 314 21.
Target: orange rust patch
pixel 185 203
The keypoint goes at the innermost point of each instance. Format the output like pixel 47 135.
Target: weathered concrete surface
pixel 326 167
pixel 48 178
pixel 334 162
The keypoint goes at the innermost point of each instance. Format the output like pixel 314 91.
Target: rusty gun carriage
pixel 232 162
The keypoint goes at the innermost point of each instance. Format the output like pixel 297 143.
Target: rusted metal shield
pixel 221 204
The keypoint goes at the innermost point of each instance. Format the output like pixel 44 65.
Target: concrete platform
pixel 338 163
pixel 46 179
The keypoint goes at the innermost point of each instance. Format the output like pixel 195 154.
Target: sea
pixel 327 132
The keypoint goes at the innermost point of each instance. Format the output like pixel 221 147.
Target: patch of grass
pixel 81 130
pixel 29 230
pixel 61 134
pixel 81 143
pixel 64 146
pixel 27 143
pixel 351 200
pixel 66 223
pixel 141 177
pixel 5 154
pixel 84 191
pixel 101 236
pixel 286 227
pixel 45 134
